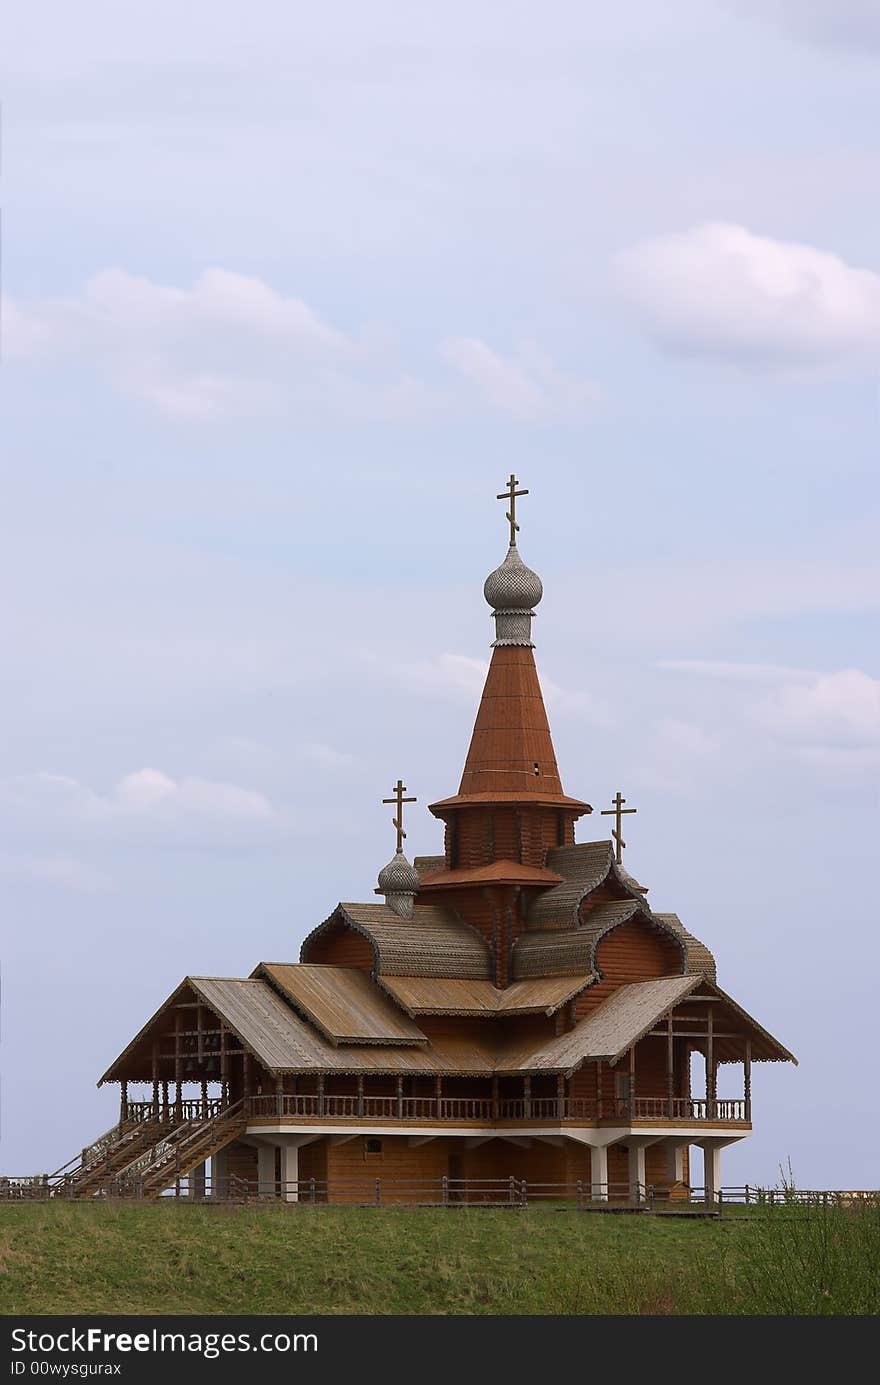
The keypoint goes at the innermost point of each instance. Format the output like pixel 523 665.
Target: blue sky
pixel 286 296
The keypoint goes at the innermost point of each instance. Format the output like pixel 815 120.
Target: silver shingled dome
pixel 513 586
pixel 398 877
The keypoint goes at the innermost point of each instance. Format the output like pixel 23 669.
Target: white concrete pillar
pixel 675 1160
pixel 220 1173
pixel 290 1170
pixel 637 1178
pixel 197 1181
pixel 266 1186
pixel 712 1171
pixel 599 1173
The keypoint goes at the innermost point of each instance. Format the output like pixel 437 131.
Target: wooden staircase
pixel 104 1159
pixel 179 1151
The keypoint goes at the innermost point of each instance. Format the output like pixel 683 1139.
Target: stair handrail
pixel 172 1148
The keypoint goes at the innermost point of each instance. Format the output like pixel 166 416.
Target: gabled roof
pixel 584 868
pixel 342 1002
pixel 573 950
pixel 608 1031
pixel 434 942
pixel 450 996
pixel 282 1042
pixel 626 1016
pixel 698 959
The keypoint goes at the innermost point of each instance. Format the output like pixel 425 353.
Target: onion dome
pixel 512 591
pixel 399 883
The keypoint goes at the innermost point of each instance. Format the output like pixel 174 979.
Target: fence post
pixel 747 1194
pixel 721 1202
pixel 523 1197
pixel 580 1190
pixel 312 1189
pixel 511 1191
pixel 378 1192
pixel 445 1191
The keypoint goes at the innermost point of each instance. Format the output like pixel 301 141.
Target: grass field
pixel 161 1258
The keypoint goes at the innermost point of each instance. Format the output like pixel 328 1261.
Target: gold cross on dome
pixel 511 494
pixel 399 800
pixel 618 812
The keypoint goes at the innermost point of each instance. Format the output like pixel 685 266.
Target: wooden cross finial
pixel 618 811
pixel 511 494
pixel 399 800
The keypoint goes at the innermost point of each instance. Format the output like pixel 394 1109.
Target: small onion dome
pixel 398 877
pixel 513 586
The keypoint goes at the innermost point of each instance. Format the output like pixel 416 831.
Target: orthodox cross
pixel 618 812
pixel 399 800
pixel 511 494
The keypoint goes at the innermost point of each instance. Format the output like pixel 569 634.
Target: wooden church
pixel 511 1008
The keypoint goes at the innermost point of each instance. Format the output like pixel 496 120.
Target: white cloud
pixel 232 346
pixel 829 720
pixel 326 756
pixel 720 290
pixel 838 711
pixel 676 755
pixel 229 345
pixel 740 673
pixel 144 804
pixel 457 674
pixel 528 386
pixel 63 872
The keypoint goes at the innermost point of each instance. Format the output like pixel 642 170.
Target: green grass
pixel 166 1258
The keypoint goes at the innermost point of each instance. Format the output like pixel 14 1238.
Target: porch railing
pixel 683 1109
pixel 192 1109
pixel 312 1105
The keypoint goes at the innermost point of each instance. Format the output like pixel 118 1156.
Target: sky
pixel 288 291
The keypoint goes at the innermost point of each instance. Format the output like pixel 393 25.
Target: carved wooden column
pixel 123 1101
pixel 670 1070
pixel 438 1096
pixel 560 1096
pixel 155 1056
pixel 279 1096
pixel 321 1094
pixel 166 1112
pixel 527 1098
pixel 632 1084
pixel 747 1080
pixel 360 1089
pixel 496 1105
pixel 246 1077
pixel 710 1068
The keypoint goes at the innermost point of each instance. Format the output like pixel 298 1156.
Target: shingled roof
pixel 434 942
pixel 421 995
pixel 584 868
pixel 342 1002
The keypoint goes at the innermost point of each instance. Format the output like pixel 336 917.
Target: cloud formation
pixel 63 872
pixel 720 290
pixel 829 719
pixel 221 347
pixel 145 805
pixel 232 346
pixel 527 385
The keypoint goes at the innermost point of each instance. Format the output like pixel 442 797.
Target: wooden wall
pixel 341 946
